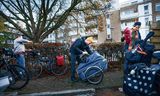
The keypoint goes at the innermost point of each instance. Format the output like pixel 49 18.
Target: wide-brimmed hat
pixel 137 24
pixel 90 39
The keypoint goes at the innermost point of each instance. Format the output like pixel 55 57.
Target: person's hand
pixel 130 48
pixel 136 36
pixel 85 52
pixel 142 52
pixel 28 50
pixel 30 42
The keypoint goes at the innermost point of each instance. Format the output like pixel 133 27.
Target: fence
pixel 113 52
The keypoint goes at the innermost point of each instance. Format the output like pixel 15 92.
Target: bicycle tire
pixel 35 69
pixel 47 67
pixel 94 75
pixel 18 77
pixel 59 69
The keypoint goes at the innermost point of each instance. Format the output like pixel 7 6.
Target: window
pixel 125 24
pixel 108 26
pixel 129 12
pixel 108 16
pixel 146 11
pixel 158 18
pixel 145 7
pixel 109 36
pixel 157 7
pixel 147 21
pixel 50 35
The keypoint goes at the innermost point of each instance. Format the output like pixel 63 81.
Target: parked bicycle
pixel 18 76
pixel 53 65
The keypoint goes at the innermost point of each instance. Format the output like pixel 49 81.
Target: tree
pixel 2 27
pixel 40 17
pixel 93 10
pixel 4 34
pixel 36 19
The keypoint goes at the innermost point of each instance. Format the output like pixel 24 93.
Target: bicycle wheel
pixel 18 77
pixel 59 69
pixel 34 69
pixel 12 61
pixel 94 75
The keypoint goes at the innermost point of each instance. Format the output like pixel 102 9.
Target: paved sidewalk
pixel 53 84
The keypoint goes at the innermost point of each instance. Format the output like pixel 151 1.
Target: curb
pixel 77 92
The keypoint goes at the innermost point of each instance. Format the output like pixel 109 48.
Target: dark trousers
pixel 74 58
pixel 125 66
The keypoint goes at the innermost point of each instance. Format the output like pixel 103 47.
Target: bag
pixel 95 59
pixel 157 83
pixel 142 83
pixel 60 60
pixel 133 57
pixel 127 35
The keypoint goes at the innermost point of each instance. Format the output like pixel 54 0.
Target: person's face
pixel 136 28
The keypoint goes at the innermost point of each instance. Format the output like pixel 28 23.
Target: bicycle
pixel 18 76
pixel 59 67
pixel 34 68
pixel 40 63
pixel 91 67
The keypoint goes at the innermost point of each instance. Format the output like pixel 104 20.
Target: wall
pixel 156 38
pixel 143 15
pixel 115 26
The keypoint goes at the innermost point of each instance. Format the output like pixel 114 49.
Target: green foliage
pixel 113 52
pixel 4 36
pixel 2 27
pixel 113 47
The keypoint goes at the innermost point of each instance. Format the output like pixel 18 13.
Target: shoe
pixel 120 89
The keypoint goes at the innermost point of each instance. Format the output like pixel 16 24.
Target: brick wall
pixel 156 38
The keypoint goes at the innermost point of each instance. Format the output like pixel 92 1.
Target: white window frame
pixel 158 18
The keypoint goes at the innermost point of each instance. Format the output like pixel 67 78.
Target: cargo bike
pixel 92 68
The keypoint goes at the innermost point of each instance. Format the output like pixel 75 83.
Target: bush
pixel 113 52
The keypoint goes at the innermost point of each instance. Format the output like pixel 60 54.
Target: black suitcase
pixel 157 82
pixel 145 81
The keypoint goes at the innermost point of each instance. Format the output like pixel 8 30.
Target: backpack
pixel 127 35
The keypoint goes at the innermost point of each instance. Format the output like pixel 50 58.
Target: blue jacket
pixel 79 46
pixel 139 35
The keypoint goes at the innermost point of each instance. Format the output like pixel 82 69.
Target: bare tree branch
pixel 14 24
pixel 76 20
pixel 61 19
pixel 52 19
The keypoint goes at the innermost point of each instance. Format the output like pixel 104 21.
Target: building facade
pixel 156 10
pixel 113 22
pixel 136 10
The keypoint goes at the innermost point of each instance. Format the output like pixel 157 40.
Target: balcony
pixel 129 16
